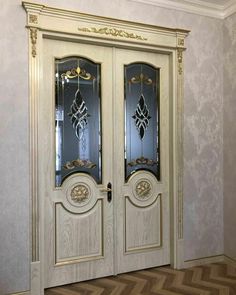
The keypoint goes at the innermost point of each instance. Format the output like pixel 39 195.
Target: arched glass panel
pixel 77 118
pixel 142 119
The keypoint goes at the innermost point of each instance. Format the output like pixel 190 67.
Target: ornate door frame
pixel 47 22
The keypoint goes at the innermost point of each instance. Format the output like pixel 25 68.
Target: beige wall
pixel 14 151
pixel 203 123
pixel 230 136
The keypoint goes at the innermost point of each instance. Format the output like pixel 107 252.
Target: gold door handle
pixel 105 190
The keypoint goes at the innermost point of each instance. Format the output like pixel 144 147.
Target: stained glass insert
pixel 142 150
pixel 77 118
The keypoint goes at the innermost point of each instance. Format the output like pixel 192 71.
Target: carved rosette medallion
pixel 79 194
pixel 143 189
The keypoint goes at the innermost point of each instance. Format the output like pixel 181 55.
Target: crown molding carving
pixel 199 7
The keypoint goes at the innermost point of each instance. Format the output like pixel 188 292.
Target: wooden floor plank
pixel 211 279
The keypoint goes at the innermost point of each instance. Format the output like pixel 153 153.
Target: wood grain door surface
pixel 97 238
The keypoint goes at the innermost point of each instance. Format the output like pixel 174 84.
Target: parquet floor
pixel 210 279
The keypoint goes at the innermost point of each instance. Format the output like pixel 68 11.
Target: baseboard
pixel 21 293
pixel 229 259
pixel 204 260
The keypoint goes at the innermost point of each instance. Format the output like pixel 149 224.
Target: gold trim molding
pixel 33 37
pixel 112 32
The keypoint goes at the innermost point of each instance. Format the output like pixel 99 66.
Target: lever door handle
pixel 105 190
pixel 108 190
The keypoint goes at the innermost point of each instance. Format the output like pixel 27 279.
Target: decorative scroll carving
pixel 79 115
pixel 79 163
pixel 141 79
pixel 113 32
pixel 143 189
pixel 141 117
pixel 33 36
pixel 142 161
pixel 79 194
pixel 78 72
pixel 33 19
pixel 180 60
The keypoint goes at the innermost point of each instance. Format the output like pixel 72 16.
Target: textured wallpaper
pixel 229 33
pixel 14 152
pixel 203 123
pixel 203 142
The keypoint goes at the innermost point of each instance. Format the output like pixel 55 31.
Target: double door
pixel 103 161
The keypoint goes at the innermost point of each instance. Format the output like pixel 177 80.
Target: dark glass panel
pixel 141 119
pixel 77 118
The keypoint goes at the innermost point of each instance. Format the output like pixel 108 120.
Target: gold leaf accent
pixel 142 161
pixel 180 60
pixel 33 36
pixel 143 189
pixel 78 72
pixel 79 194
pixel 141 79
pixel 33 18
pixel 113 32
pixel 79 163
pixel 180 42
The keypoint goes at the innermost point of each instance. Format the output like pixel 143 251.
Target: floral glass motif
pixel 141 116
pixel 142 119
pixel 77 118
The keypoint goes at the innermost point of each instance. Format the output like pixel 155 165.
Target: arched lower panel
pixel 78 236
pixel 143 225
